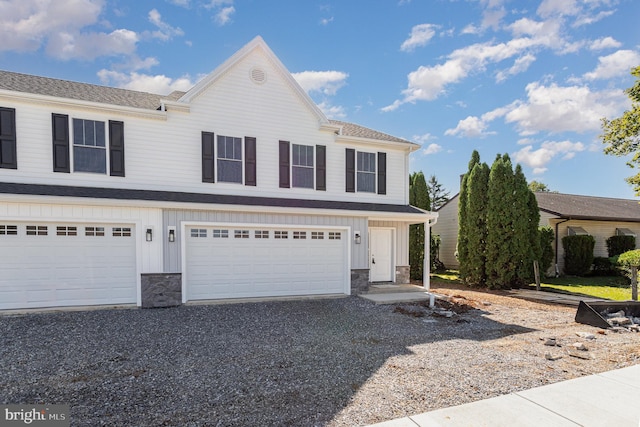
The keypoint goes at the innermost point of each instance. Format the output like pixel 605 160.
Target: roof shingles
pixel 589 207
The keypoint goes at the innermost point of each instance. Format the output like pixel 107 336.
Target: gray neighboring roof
pixel 588 207
pixel 352 129
pixel 130 98
pixel 180 197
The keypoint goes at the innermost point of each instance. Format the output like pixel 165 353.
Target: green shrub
pixel 603 266
pixel 630 258
pixel 620 244
pixel 578 254
pixel 546 245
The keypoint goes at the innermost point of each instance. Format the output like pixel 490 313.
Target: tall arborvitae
pixel 526 242
pixel 463 258
pixel 501 265
pixel 418 197
pixel 476 211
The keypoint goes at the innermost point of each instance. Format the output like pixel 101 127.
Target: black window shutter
pixel 208 157
pixel 350 167
pixel 382 173
pixel 321 167
pixel 116 148
pixel 284 161
pixel 8 158
pixel 250 161
pixel 60 131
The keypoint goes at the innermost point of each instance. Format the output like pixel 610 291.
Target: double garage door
pixel 69 264
pixel 242 261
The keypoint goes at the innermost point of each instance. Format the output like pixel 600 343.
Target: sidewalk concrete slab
pixel 601 400
pixel 396 297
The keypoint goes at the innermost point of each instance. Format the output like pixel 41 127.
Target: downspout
pixel 556 243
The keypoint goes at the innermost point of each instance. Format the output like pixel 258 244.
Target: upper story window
pixel 89 150
pixel 366 172
pixel 302 166
pixel 223 159
pixel 229 159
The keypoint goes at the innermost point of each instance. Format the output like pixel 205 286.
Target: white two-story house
pixel 240 187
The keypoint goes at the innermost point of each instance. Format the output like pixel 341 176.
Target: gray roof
pixel 182 197
pixel 588 207
pixel 352 129
pixel 130 98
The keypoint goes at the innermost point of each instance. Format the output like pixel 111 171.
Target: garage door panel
pixel 58 269
pixel 265 266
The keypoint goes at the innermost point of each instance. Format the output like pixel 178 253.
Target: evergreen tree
pixel 437 194
pixel 525 246
pixel 418 197
pixel 501 267
pixel 463 258
pixel 476 211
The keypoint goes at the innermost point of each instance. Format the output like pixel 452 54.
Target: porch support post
pixel 426 266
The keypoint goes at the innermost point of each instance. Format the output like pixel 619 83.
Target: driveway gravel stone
pixel 326 362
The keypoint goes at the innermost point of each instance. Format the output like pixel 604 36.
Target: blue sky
pixel 527 78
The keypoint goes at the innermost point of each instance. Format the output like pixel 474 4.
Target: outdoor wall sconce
pixel 357 238
pixel 172 234
pixel 149 234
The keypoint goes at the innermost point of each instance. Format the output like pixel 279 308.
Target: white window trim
pixel 72 160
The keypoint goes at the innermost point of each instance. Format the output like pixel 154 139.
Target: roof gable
pixel 257 44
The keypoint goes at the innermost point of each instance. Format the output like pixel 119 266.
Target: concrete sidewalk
pixel 601 400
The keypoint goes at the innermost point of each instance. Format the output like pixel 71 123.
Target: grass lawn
pixel 607 287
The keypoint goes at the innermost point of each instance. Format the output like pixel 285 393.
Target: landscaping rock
pixel 586 335
pixel 551 342
pixel 619 321
pixel 579 346
pixel 579 354
pixel 552 357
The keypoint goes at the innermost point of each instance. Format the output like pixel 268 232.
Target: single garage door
pixel 56 265
pixel 244 261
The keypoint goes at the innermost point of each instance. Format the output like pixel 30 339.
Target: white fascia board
pixel 349 140
pixel 69 103
pixel 172 106
pixel 413 218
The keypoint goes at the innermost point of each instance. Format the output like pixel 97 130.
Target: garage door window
pixel 261 234
pixel 37 230
pixel 300 235
pixel 198 232
pixel 220 234
pixel 335 235
pixel 94 231
pixel 121 232
pixel 8 230
pixel 280 234
pixel 66 231
pixel 241 234
pixel 317 235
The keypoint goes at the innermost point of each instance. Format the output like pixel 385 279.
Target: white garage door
pixel 238 262
pixel 56 265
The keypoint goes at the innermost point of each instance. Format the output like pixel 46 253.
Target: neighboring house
pixel 600 217
pixel 240 187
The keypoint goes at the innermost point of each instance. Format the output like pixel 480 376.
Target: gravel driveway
pixel 336 362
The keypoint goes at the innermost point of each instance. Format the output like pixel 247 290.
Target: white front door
pixel 381 254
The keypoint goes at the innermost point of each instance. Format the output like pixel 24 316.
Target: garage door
pixel 56 265
pixel 238 262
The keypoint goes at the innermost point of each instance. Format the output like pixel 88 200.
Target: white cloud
pixel 424 138
pixel 540 158
pixel 617 64
pixel 326 82
pixel 158 84
pixel 432 149
pixel 223 17
pixel 587 18
pixel 183 3
pixel 420 36
pixel 326 21
pixel 29 25
pixel 332 111
pixel 604 43
pixel 165 31
pixel 519 66
pixel 549 8
pixel 471 127
pixel 556 109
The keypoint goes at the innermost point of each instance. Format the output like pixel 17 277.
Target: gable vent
pixel 258 75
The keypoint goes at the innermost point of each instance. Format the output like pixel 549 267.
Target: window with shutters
pixel 361 174
pixel 223 159
pixel 89 149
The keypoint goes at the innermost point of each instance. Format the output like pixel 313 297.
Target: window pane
pixel 302 177
pixel 89 133
pixel 229 171
pixel 88 159
pixel 78 132
pixel 367 182
pixel 99 134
